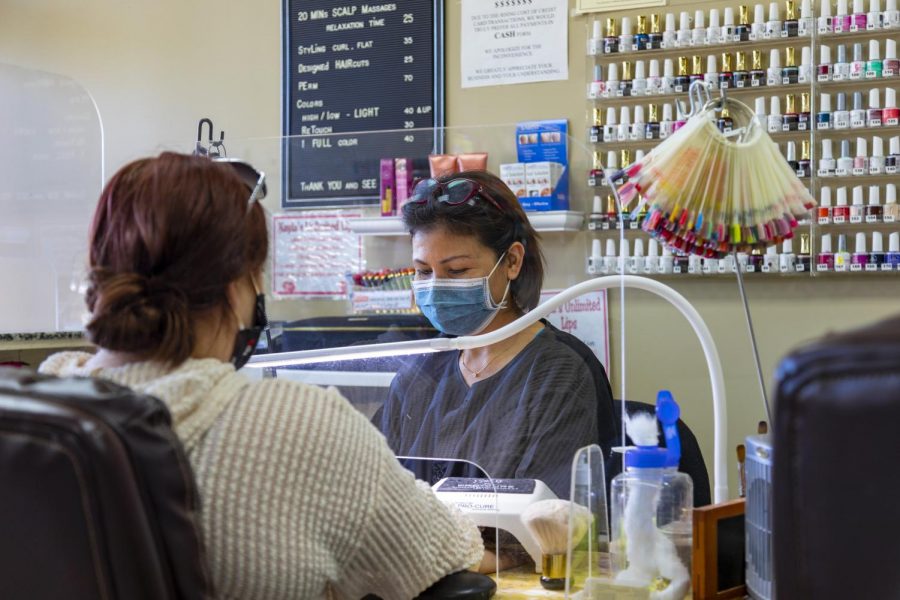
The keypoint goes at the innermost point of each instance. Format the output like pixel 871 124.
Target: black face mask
pixel 246 339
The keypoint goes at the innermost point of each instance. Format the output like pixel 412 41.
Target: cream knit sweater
pixel 301 497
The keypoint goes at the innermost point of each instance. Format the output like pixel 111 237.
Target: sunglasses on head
pixel 453 192
pixel 253 179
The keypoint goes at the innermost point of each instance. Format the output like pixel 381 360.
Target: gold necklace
pixel 477 374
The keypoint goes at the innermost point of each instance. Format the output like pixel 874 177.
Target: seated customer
pixel 301 496
pixel 521 407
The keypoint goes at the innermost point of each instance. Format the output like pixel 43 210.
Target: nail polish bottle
pixel 827 164
pixel 741 75
pixel 890 114
pixel 742 30
pixel 891 16
pixel 786 259
pixel 626 83
pixel 610 168
pixel 790 73
pixel 892 161
pixel 760 111
pixel 842 256
pixel 698 36
pixel 595 176
pixel 791 27
pixel 611 129
pixel 667 83
pixel 891 212
pixel 612 88
pixel 653 80
pixel 874 210
pixel 757 72
pixel 669 36
pixel 824 210
pixel 610 260
pixel 792 157
pixel 842 20
pixel 824 22
pixel 725 123
pixel 775 118
pixel 874 114
pixel 892 260
pixel 711 77
pixel 665 125
pixel 860 257
pixel 651 261
pixel 804 116
pixel 876 257
pixel 714 31
pixel 857 209
pixel 596 87
pixel 696 70
pixel 774 70
pixel 710 266
pixel 858 23
pixel 861 162
pixel 624 263
pixel 655 37
pixel 680 116
pixel 611 41
pixel 612 219
pixel 595 42
pixel 873 19
pixel 624 124
pixel 807 23
pixel 760 28
pixel 804 259
pixel 695 265
pixel 637 259
pixel 825 259
pixel 597 217
pixel 857 65
pixel 725 75
pixel 803 165
pixel 680 264
pixel 823 117
pixel 626 37
pixel 651 130
pixel 727 264
pixel 823 70
pixel 890 66
pixel 638 126
pixel 840 71
pixel 858 114
pixel 840 214
pixel 770 260
pixel 728 27
pixel 840 118
pixel 683 79
pixel 595 260
pixel 844 163
pixel 790 119
pixel 595 133
pixel 667 262
pixel 642 38
pixel 683 38
pixel 874 66
pixel 639 83
pixel 805 73
pixel 876 161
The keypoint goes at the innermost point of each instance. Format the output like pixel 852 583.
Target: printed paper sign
pixel 313 252
pixel 587 318
pixel 518 41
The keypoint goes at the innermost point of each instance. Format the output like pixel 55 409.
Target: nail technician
pixel 520 408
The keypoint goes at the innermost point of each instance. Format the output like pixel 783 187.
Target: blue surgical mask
pixel 459 306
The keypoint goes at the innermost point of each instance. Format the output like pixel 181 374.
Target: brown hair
pixel 168 236
pixel 496 229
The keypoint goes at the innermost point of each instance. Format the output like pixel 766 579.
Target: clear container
pixel 652 526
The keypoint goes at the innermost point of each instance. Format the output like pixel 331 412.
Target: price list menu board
pixel 352 68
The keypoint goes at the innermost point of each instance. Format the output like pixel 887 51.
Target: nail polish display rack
pixel 840 237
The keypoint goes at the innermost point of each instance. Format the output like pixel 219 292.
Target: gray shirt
pixel 525 421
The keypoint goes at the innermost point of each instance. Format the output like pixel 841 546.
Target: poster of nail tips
pixel 513 41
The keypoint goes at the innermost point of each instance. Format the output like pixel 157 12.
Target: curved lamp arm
pixel 720 431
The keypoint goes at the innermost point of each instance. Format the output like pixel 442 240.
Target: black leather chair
pixel 835 483
pixel 97 499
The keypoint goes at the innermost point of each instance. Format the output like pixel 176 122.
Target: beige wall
pixel 154 68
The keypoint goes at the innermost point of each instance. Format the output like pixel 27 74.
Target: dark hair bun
pixel 132 313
